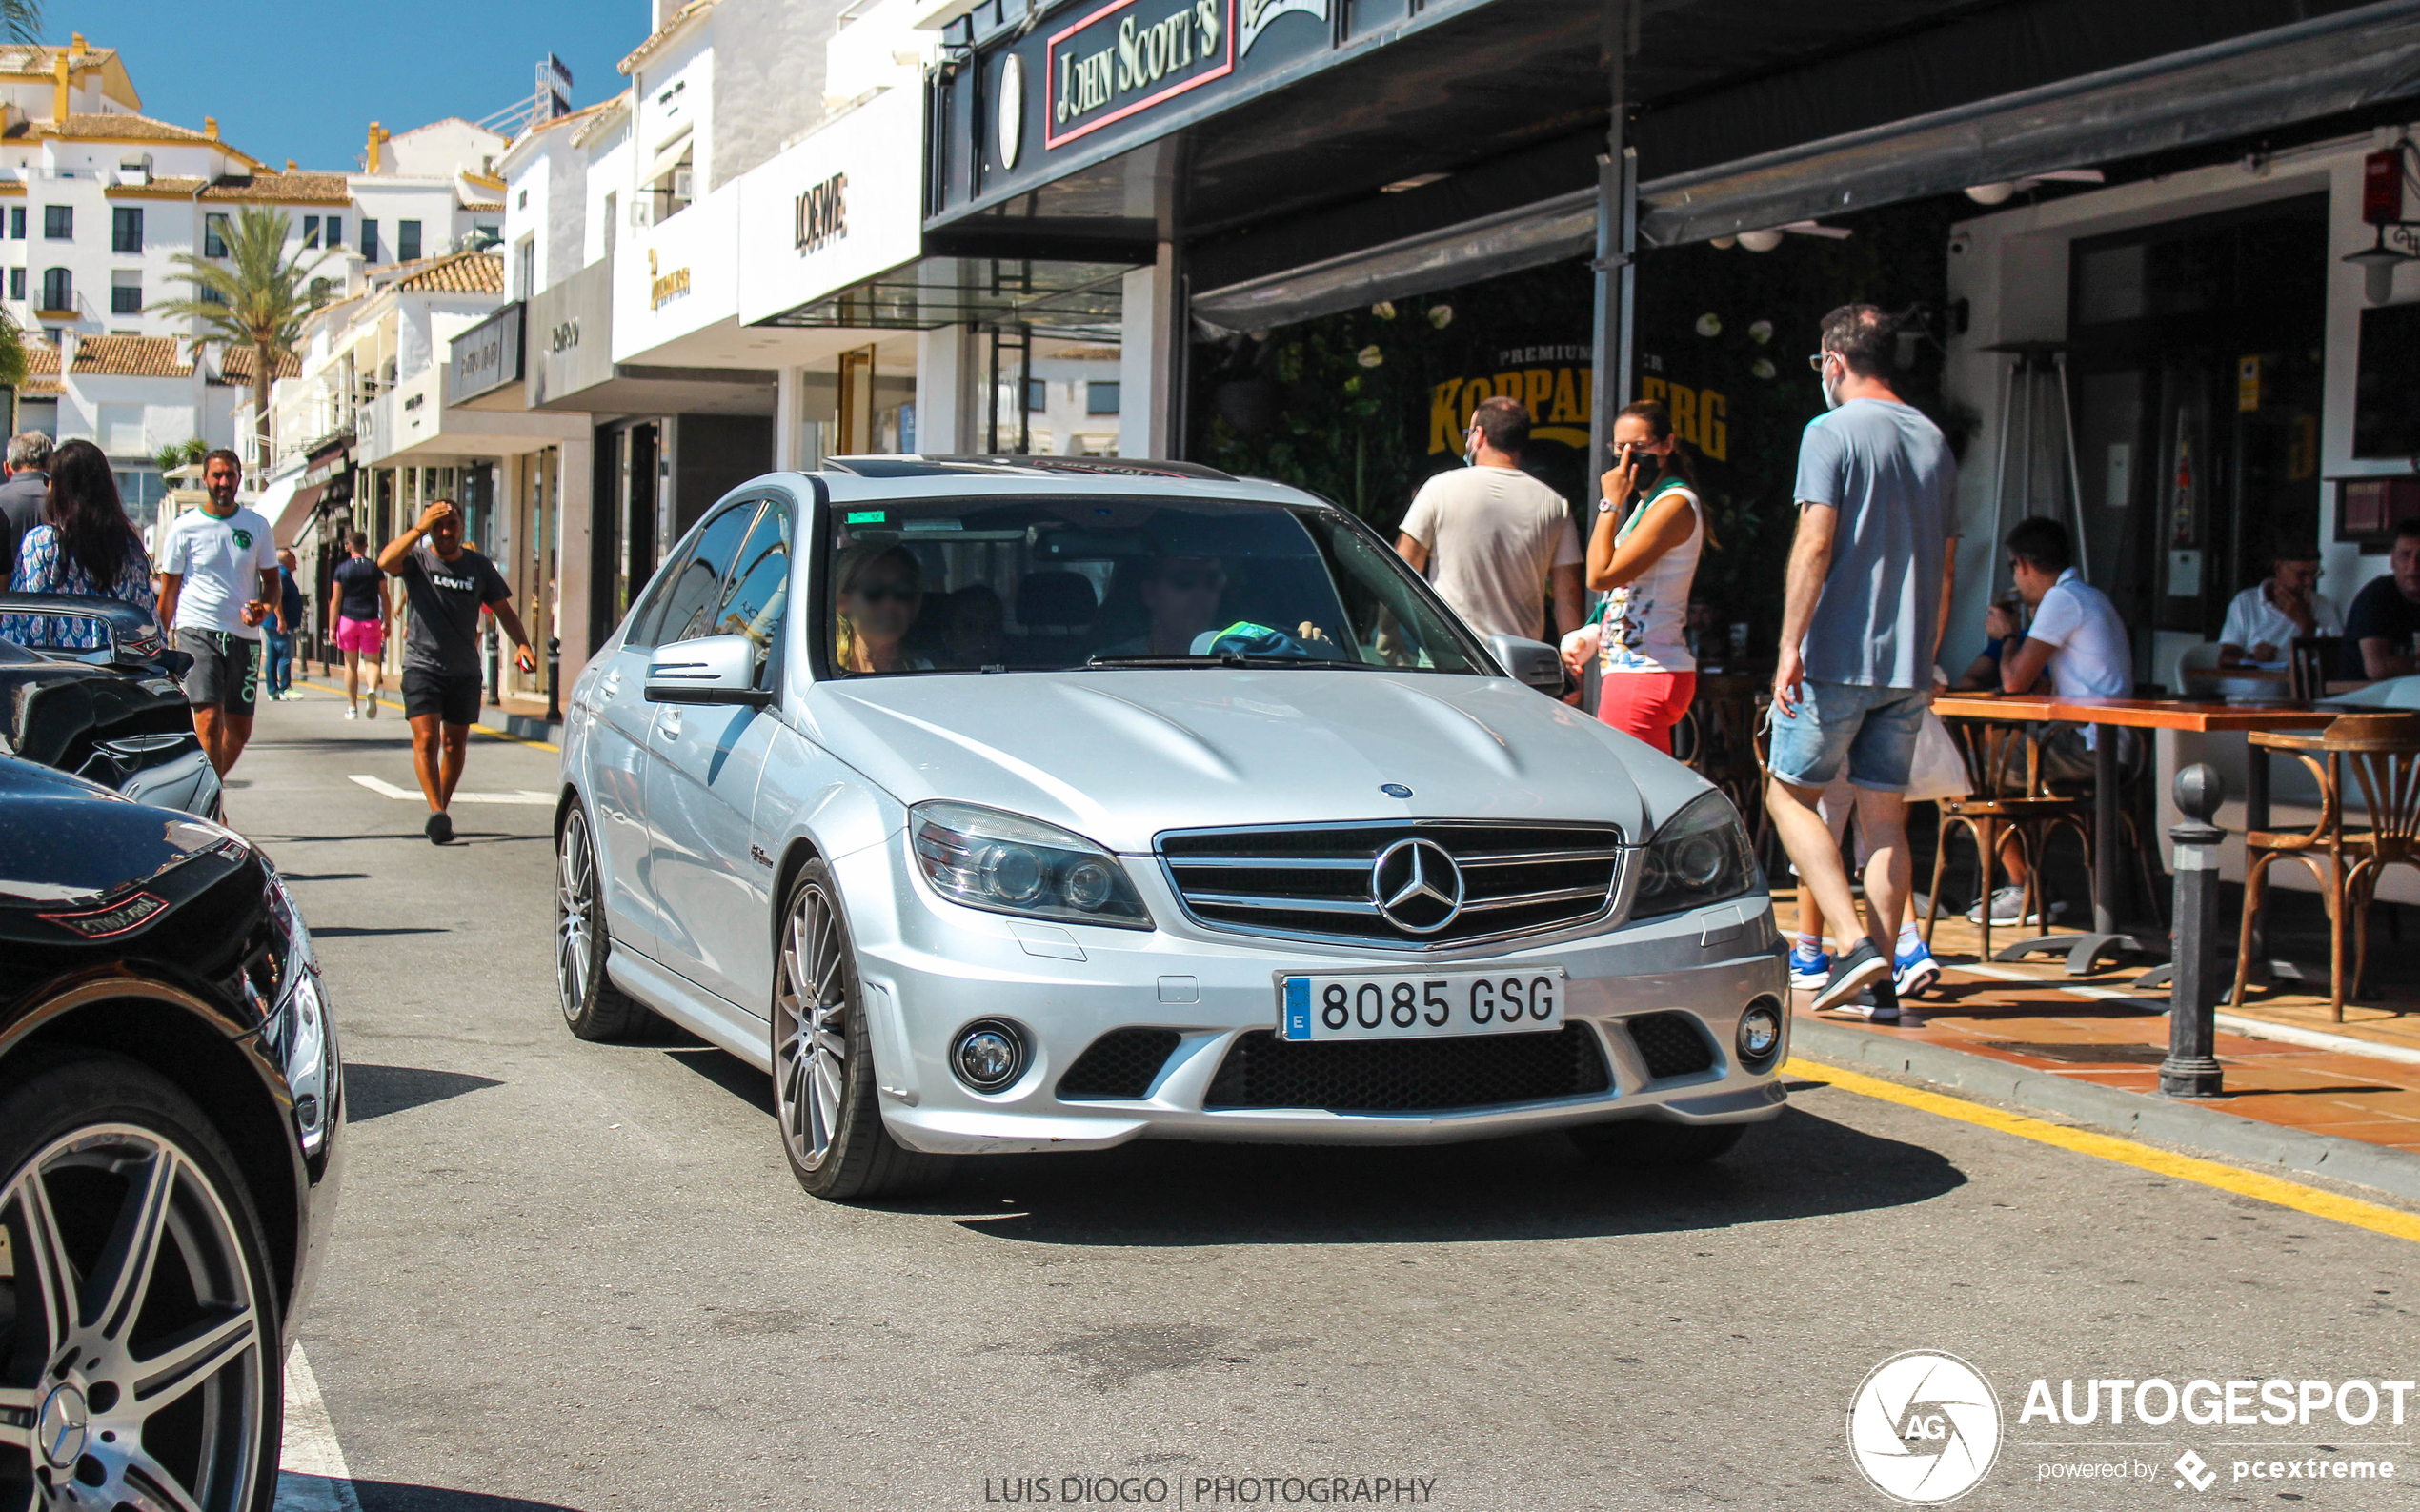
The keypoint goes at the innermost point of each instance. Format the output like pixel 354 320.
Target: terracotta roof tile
pixel 129 357
pixel 41 366
pixel 484 207
pixel 284 188
pixel 163 187
pixel 663 33
pixel 462 272
pixel 235 366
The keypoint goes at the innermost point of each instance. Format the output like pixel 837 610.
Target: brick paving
pixel 2098 1029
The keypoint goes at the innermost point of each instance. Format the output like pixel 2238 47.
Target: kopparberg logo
pixel 1925 1427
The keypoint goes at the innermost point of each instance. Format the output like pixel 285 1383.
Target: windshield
pixel 989 585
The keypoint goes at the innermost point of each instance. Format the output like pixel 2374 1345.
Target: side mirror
pixel 1533 663
pixel 710 669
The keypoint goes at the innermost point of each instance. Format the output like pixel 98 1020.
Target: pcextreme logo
pixel 1925 1427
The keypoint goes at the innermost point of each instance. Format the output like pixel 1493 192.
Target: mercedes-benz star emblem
pixel 1416 886
pixel 63 1428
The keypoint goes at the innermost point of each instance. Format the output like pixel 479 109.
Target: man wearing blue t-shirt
pixel 1867 597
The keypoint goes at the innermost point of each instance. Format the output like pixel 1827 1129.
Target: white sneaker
pixel 370 709
pixel 352 713
pixel 2007 907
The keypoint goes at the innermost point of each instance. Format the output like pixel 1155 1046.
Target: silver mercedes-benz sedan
pixel 1052 803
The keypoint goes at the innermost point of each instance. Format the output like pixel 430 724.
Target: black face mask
pixel 1645 467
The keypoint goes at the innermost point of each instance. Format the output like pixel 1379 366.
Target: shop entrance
pixel 2195 347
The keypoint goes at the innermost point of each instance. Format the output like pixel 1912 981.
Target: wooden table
pixel 2105 715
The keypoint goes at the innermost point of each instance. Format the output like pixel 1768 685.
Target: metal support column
pixel 2191 1069
pixel 1616 244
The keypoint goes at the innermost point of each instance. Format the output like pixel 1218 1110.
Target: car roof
pixel 854 478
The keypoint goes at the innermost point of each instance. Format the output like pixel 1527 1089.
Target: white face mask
pixel 1470 447
pixel 1831 387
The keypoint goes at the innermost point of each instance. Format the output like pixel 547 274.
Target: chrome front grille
pixel 1320 883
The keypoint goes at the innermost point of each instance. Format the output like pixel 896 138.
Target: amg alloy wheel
pixel 823 1090
pixel 591 1004
pixel 142 1365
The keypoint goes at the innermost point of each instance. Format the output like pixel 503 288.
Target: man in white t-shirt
pixel 1493 539
pixel 218 581
pixel 2080 643
pixel 2263 619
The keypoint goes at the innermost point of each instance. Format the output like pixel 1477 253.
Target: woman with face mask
pixel 1645 561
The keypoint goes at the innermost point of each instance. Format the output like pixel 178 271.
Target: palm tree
pixel 21 19
pixel 256 297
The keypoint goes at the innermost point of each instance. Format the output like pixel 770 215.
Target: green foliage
pixel 256 297
pixel 180 454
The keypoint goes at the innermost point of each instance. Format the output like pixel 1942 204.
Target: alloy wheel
pixel 811 1036
pixel 574 915
pixel 136 1365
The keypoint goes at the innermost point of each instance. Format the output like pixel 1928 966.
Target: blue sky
pixel 288 79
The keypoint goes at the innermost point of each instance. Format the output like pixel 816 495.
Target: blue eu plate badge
pixel 1298 1008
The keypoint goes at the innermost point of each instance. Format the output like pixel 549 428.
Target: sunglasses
pixel 1187 581
pixel 896 593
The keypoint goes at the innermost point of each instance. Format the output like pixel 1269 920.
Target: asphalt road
pixel 580 1277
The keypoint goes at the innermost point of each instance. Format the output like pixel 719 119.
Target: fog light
pixel 1760 1036
pixel 989 1055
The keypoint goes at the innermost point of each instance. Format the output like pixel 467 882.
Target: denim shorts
pixel 1875 728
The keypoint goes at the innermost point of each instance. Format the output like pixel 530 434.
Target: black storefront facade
pixel 1263 165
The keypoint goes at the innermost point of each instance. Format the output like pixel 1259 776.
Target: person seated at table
pixel 2264 621
pixel 1999 621
pixel 2078 644
pixel 2385 614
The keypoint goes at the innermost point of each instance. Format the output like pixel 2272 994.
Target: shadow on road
pixel 372 1091
pixel 389 1496
pixel 1536 1186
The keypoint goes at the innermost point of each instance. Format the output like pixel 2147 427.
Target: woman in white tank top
pixel 1647 562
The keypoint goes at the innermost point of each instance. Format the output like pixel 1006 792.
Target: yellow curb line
pixel 2283 1193
pixel 480 729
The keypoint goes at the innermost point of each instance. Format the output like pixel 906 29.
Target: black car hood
pixel 52 710
pixel 63 839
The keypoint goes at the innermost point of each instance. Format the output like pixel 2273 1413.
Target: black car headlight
pixel 1700 856
pixel 1007 863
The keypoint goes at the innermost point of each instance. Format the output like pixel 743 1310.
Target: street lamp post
pixel 2191 1069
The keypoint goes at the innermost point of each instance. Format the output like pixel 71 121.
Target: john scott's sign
pixel 1131 55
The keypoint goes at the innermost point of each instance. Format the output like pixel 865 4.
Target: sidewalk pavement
pixel 2287 1067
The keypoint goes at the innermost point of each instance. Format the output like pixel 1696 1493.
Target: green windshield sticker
pixel 865 516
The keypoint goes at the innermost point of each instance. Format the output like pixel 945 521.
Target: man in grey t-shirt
pixel 1866 600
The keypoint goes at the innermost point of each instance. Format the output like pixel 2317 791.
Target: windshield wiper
pixel 1226 659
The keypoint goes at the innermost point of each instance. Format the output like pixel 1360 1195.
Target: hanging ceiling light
pixel 2003 191
pixel 1770 237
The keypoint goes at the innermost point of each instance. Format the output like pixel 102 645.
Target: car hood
pixel 63 838
pixel 1120 756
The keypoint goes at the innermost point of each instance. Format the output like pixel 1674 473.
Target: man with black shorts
pixel 446 584
pixel 218 581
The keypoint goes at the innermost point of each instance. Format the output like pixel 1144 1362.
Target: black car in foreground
pixel 114 711
pixel 171 1110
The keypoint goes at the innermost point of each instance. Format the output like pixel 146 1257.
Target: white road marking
pixel 385 789
pixel 314 1477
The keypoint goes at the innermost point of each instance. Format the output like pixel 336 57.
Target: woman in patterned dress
pixel 84 545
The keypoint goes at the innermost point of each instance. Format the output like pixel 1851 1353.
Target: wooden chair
pixel 2382 751
pixel 2312 661
pixel 2008 797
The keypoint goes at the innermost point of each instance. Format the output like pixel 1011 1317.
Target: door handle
pixel 613 682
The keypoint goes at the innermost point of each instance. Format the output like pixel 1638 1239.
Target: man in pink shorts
pixel 361 608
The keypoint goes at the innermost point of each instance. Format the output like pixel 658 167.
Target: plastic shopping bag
pixel 1938 770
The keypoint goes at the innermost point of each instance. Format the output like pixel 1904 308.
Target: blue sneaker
pixel 1914 972
pixel 1810 971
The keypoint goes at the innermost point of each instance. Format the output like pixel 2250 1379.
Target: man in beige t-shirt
pixel 1497 536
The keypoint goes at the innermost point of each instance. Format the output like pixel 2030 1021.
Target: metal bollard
pixel 2191 1069
pixel 554 679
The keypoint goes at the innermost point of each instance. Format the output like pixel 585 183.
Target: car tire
pixel 826 1105
pixel 592 1006
pixel 111 1172
pixel 1652 1145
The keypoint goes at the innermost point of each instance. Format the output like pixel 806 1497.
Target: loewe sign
pixel 823 213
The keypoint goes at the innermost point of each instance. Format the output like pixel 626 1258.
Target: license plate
pixel 1431 1005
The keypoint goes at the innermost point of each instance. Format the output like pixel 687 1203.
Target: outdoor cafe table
pixel 2105 715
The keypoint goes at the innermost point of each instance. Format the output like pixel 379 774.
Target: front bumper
pixel 929 968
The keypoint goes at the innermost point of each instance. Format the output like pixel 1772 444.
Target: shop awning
pixel 1504 243
pixel 288 528
pixel 2196 96
pixel 667 157
pixel 2205 94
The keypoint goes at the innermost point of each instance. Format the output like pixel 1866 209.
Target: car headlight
pixel 1006 863
pixel 1700 856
